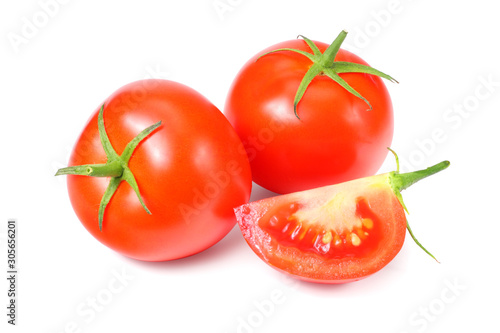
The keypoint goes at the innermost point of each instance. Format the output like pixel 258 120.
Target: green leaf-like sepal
pixel 325 64
pixel 115 167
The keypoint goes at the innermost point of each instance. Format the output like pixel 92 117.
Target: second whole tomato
pixel 310 115
pixel 161 192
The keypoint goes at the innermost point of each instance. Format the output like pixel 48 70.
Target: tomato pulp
pixel 333 234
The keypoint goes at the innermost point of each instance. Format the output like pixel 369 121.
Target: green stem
pixel 110 169
pixel 402 181
pixel 330 53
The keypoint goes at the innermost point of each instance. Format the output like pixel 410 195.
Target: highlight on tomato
pixel 157 171
pixel 310 114
pixel 333 234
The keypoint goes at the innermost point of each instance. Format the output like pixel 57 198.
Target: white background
pixel 445 55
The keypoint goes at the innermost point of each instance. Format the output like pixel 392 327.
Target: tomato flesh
pixel 288 230
pixel 333 234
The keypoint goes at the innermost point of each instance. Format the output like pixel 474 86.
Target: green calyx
pixel 401 181
pixel 325 64
pixel 115 167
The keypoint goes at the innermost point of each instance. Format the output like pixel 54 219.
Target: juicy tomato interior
pixel 360 238
pixel 335 234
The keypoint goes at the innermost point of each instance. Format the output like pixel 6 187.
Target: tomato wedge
pixel 333 234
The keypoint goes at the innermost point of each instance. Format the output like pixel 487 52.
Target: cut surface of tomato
pixel 333 234
pixel 330 240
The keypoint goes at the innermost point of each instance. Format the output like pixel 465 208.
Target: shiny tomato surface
pixel 337 138
pixel 190 173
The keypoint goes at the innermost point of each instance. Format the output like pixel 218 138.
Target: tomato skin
pixel 319 267
pixel 336 139
pixel 190 173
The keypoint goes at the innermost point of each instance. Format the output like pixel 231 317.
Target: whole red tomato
pixel 188 173
pixel 310 116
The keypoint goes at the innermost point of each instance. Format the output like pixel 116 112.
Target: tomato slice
pixel 333 234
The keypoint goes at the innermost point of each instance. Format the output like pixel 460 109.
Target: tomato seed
pixel 355 239
pixel 367 223
pixel 327 238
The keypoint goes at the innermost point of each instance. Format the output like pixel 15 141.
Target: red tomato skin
pixel 190 173
pixel 313 267
pixel 336 139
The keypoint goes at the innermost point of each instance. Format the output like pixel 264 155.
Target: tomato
pixel 333 234
pixel 306 123
pixel 188 172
